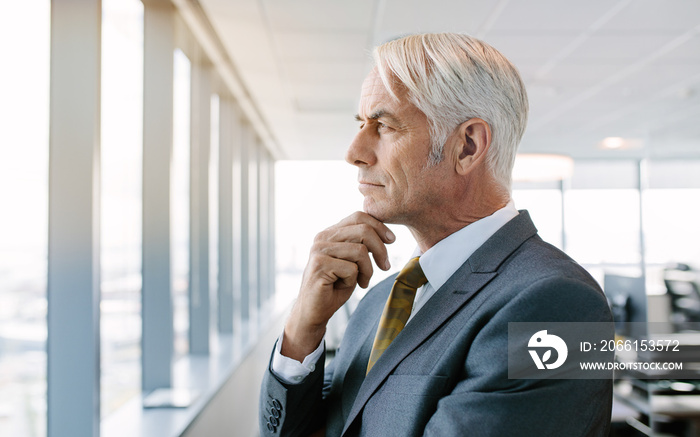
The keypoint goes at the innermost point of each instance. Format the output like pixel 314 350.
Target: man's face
pixel 391 152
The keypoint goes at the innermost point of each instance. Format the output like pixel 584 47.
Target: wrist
pixel 301 340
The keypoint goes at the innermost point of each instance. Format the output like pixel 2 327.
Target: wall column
pixel 226 275
pixel 199 209
pixel 157 302
pixel 73 292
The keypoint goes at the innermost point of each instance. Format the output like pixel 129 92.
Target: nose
pixel 361 152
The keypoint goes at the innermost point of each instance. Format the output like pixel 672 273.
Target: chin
pixel 370 207
pixel 380 212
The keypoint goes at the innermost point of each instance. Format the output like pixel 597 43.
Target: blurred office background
pixel 165 164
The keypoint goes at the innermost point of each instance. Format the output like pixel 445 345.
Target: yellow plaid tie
pixel 397 309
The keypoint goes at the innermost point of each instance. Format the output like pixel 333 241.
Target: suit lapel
pixel 436 311
pixel 357 342
pixel 363 324
pixel 471 277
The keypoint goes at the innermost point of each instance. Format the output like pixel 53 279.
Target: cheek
pixel 433 185
pixel 406 168
pixel 405 159
pixel 403 181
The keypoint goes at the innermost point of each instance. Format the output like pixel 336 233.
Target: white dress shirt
pixel 439 263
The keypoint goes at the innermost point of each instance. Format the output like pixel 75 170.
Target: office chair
pixel 684 294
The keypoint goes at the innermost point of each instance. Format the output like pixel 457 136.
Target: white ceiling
pixel 593 69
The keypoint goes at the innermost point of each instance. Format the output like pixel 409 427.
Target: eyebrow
pixel 379 113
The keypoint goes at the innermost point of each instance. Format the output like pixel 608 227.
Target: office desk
pixel 659 407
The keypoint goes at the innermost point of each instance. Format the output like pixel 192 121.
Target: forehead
pixel 375 96
pixel 377 99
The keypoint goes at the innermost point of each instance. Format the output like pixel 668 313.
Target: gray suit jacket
pixel 446 372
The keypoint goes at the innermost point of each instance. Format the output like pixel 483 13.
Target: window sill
pixel 205 374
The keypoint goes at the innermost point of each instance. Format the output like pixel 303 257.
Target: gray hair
pixel 452 78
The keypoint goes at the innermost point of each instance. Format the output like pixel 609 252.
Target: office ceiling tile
pixel 527 48
pixel 315 15
pixel 662 75
pixel 552 17
pixel 326 46
pixel 575 74
pixel 617 48
pixel 340 71
pixel 686 53
pixel 401 17
pixel 641 16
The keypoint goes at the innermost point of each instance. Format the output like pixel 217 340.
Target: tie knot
pixel 412 275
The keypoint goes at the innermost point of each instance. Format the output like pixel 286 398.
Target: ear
pixel 473 141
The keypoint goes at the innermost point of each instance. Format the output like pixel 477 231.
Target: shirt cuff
pixel 290 370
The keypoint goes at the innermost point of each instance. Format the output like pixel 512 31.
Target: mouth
pixel 366 186
pixel 369 184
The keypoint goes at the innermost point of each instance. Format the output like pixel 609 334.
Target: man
pixel 440 118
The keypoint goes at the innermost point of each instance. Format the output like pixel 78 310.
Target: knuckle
pixel 364 251
pixel 316 247
pixel 321 236
pixel 365 228
pixel 315 262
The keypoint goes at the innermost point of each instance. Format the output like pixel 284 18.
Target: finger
pixel 354 252
pixel 380 228
pixel 360 233
pixel 340 273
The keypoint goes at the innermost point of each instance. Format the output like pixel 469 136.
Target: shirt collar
pixel 442 260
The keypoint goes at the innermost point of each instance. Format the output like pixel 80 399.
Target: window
pixel 215 125
pixel 601 215
pixel 24 193
pixel 121 172
pixel 602 226
pixel 671 229
pixel 670 210
pixel 23 225
pixel 24 123
pixel 180 198
pixel 545 208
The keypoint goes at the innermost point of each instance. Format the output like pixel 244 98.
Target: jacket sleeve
pixel 485 402
pixel 292 409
